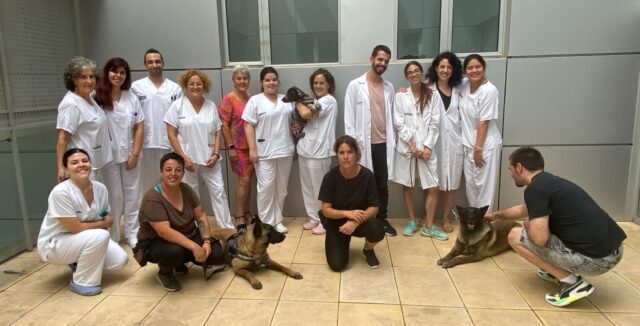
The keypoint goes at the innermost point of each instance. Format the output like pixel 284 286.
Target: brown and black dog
pixel 247 252
pixel 477 238
pixel 296 122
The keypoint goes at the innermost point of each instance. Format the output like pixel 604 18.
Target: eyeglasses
pixel 414 72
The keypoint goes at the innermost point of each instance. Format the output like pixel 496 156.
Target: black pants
pixel 170 255
pixel 381 174
pixel 336 244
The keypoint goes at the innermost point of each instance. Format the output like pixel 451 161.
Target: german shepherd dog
pixel 248 251
pixel 297 122
pixel 477 238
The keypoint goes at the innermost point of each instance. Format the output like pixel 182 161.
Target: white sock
pixel 571 279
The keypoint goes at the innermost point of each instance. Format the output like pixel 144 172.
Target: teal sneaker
pixel 433 232
pixel 410 229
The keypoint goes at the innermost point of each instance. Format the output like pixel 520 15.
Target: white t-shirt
pixel 125 114
pixel 66 200
pixel 155 102
pixel 271 123
pixel 87 124
pixel 196 130
pixel 482 105
pixel 320 132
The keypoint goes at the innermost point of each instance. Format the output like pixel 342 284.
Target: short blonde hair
pixel 187 74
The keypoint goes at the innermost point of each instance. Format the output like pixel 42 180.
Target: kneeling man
pixel 566 234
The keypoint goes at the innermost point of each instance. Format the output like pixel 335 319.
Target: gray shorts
pixel 559 255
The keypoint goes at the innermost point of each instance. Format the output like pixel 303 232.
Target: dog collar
pixel 233 252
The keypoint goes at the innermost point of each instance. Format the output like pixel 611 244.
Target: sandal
pixel 446 225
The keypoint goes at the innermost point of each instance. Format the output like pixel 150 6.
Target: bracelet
pixel 207 240
pixel 232 146
pixel 216 154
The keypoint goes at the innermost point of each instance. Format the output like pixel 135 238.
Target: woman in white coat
pixel 194 132
pixel 480 135
pixel 416 116
pixel 73 232
pixel 445 76
pixel 271 147
pixel 126 126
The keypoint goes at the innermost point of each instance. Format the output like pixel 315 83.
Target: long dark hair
pixel 456 71
pixel 71 151
pixel 104 88
pixel 425 91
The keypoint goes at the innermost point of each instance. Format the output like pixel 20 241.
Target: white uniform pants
pixel 124 197
pixel 312 171
pixel 92 249
pixel 149 164
pixel 481 182
pixel 273 179
pixel 212 178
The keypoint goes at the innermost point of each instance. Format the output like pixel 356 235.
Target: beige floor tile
pixel 18 268
pixel 560 318
pixel 632 277
pixel 630 259
pixel 623 319
pixel 632 230
pixel 511 260
pixel 412 251
pixel 254 312
pixel 143 283
pixel 382 252
pixel 272 284
pixel 484 288
pixel 305 313
pixel 490 317
pixel 635 246
pixel 614 294
pixel 284 252
pixel 320 283
pixel 294 224
pixel 310 251
pixel 360 283
pixel 369 314
pixel 29 254
pixel 416 315
pixel 64 307
pixel 533 290
pixel 49 279
pixel 195 286
pixel 120 310
pixel 426 287
pixel 181 311
pixel 17 304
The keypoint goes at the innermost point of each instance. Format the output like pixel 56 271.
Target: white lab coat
pixel 449 144
pixel 357 119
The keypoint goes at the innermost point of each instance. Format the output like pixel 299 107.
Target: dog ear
pixel 483 210
pixel 257 229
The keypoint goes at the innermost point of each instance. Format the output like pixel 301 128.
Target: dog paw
pixel 440 261
pixel 257 285
pixel 447 264
pixel 296 275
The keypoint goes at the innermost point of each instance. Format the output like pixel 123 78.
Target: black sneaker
pixel 168 282
pixel 370 257
pixel 568 293
pixel 388 229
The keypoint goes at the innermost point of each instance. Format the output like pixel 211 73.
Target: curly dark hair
pixel 456 72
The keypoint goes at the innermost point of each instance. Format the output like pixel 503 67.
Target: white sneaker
pixel 281 228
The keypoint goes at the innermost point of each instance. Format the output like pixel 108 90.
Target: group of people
pixel 439 127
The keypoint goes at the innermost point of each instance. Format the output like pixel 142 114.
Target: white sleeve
pixel 61 204
pixel 328 104
pixel 436 106
pixel 250 113
pixel 103 197
pixel 68 119
pixel 137 109
pixel 489 105
pixel 350 98
pixel 171 117
pixel 399 122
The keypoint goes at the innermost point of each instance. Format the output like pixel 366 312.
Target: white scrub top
pixel 479 106
pixel 196 130
pixel 271 123
pixel 155 102
pixel 87 124
pixel 410 123
pixel 320 132
pixel 66 200
pixel 125 114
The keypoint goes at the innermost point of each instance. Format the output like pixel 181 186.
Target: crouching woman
pixel 74 230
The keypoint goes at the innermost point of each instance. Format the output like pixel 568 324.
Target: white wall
pixel 363 25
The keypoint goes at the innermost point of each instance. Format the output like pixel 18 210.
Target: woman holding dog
pixel 174 229
pixel 230 111
pixel 479 106
pixel 445 76
pixel 271 147
pixel 193 128
pixel 349 206
pixel 314 149
pixel 416 116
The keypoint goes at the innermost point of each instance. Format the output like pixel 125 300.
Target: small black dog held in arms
pixel 477 238
pixel 297 122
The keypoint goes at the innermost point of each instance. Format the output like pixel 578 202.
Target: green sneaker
pixel 568 293
pixel 433 232
pixel 547 277
pixel 410 229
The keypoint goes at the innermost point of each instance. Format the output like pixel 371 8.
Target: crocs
pixel 84 290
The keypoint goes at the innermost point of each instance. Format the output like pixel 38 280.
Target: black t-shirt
pixel 574 216
pixel 446 100
pixel 347 194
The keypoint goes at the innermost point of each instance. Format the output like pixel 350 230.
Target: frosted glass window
pixel 303 31
pixel 418 28
pixel 476 26
pixel 243 32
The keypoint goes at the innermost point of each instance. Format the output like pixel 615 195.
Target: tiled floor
pixel 407 289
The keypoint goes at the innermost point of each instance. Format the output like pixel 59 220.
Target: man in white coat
pixel 368 117
pixel 155 94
